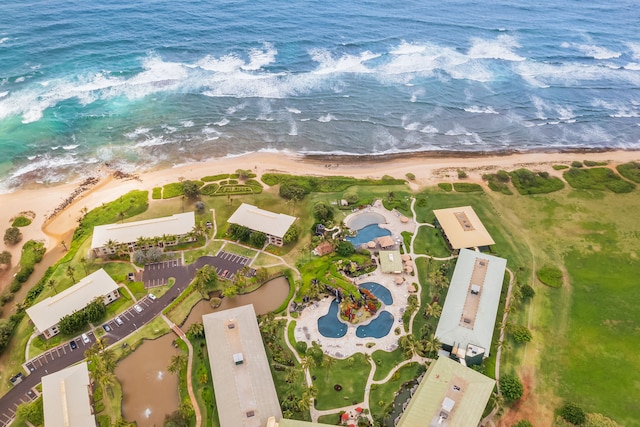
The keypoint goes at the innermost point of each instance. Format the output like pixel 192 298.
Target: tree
pixel 175 419
pixel 200 206
pixel 291 235
pixel 139 257
pixel 520 332
pixel 12 235
pixel 178 363
pixel 527 292
pixel 71 272
pixel 431 345
pixel 351 197
pixel 5 258
pixel 410 176
pixel 573 413
pixel 205 277
pixel 409 345
pixel 190 189
pixel 32 412
pixel 344 248
pixel 323 212
pixel 196 330
pixel 511 387
pixel 327 364
pixel 230 291
pixel 291 191
pixel 95 310
pixel 307 362
pixel 52 284
pixel 258 239
pixel 434 309
pixel 154 254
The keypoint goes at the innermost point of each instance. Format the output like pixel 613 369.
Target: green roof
pixel 297 423
pixel 390 261
pixel 448 388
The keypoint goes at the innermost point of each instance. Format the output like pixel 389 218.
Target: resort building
pixel 66 398
pixel 469 313
pixel 462 228
pixel 47 314
pixel 293 423
pixel 274 225
pixel 390 262
pixel 324 248
pixel 450 395
pixel 242 382
pixel 165 231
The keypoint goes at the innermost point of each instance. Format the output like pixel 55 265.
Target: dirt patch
pixel 527 407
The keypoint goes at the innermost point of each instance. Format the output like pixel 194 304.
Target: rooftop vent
pixel 238 359
pixel 251 414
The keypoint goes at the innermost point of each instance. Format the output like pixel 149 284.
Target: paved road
pixel 62 356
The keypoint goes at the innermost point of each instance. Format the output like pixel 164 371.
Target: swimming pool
pixel 367 234
pixel 362 219
pixel 329 325
pixel 378 328
pixel 382 293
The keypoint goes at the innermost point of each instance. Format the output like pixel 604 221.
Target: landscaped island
pixel 373 275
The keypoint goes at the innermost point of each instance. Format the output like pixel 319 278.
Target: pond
pixel 149 390
pixel 368 234
pixel 265 299
pixel 378 327
pixel 330 325
pixel 382 293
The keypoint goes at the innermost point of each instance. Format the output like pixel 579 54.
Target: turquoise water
pixel 378 327
pixel 329 325
pixel 379 291
pixel 133 85
pixel 367 234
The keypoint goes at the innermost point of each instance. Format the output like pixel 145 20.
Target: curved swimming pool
pixel 362 219
pixel 329 325
pixel 378 328
pixel 381 292
pixel 367 234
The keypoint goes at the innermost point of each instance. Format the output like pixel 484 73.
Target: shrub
pixel 410 176
pixel 498 182
pixel 21 221
pixel 598 179
pixel 156 193
pixel 172 190
pixel 351 197
pixel 576 164
pixel 523 423
pixel 191 189
pixel 630 170
pixel 5 258
pixel 520 333
pixel 550 276
pixel 511 387
pixel 200 206
pixel 292 191
pixel 572 413
pixel 560 167
pixel 209 189
pixel 527 292
pixel 12 235
pixel 446 186
pixel 467 187
pixel 212 178
pixel 591 163
pixel 301 346
pixel 462 174
pixel 599 420
pixel 528 182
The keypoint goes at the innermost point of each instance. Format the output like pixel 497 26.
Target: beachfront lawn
pixel 630 170
pixel 528 182
pixel 429 241
pixel 351 374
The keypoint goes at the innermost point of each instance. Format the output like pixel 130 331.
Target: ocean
pixel 134 85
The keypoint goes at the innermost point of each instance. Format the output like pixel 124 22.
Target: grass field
pixel 350 373
pixel 429 241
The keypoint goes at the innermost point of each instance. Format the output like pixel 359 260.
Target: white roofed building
pixel 242 382
pixel 469 312
pixel 66 397
pixel 167 230
pixel 47 314
pixel 274 225
pixel 462 228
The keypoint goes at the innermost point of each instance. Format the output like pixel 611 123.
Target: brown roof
pixel 385 241
pixel 463 227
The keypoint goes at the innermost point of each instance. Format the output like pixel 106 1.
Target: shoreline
pixel 429 169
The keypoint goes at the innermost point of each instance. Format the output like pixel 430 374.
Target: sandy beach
pixel 51 228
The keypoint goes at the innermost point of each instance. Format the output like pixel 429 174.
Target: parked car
pixel 119 321
pixel 106 327
pixel 73 344
pixel 224 274
pixel 131 277
pixel 85 339
pixel 137 308
pixel 152 296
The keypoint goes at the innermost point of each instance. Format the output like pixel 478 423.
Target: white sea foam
pixel 635 50
pixel 328 64
pixel 3 94
pixel 326 118
pixel 187 123
pixel 500 48
pixel 222 122
pixel 70 147
pixel 169 129
pixel 258 58
pixel 236 108
pixel 209 131
pixel 293 110
pixel 634 66
pixel 293 128
pixel 137 132
pixel 544 74
pixel 20 79
pixel 152 142
pixel 458 130
pixel 4 40
pixel 618 110
pixel 483 110
pixel 597 52
pixel 429 129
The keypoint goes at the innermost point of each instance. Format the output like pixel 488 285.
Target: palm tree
pixel 84 262
pixel 434 309
pixel 409 345
pixel 292 375
pixel 432 345
pixel 327 364
pixel 203 278
pixel 178 362
pixel 307 399
pixel 52 284
pixel 196 330
pixel 71 272
pixel 307 362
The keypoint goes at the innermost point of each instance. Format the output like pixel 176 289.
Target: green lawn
pixel 429 241
pixel 204 389
pixel 385 361
pixel 350 373
pixel 598 179
pixel 382 394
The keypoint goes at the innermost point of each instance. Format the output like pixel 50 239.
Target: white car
pixel 85 339
pixel 119 321
pixel 152 296
pixel 137 308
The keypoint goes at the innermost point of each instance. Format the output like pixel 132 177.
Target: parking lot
pixel 158 273
pixel 229 263
pixel 9 413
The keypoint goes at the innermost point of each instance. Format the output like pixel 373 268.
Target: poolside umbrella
pixel 399 280
pixel 406 257
pixel 404 219
pixel 345 416
pixel 371 244
pixel 412 288
pixel 408 269
pixel 358 409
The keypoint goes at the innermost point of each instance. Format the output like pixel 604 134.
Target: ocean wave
pixel 293 110
pixel 500 48
pixel 187 123
pixel 4 40
pixel 346 63
pixel 593 51
pixel 222 122
pixel 326 118
pixel 70 147
pixel 482 110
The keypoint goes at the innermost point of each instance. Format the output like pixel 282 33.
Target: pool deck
pixel 307 323
pixel 393 219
